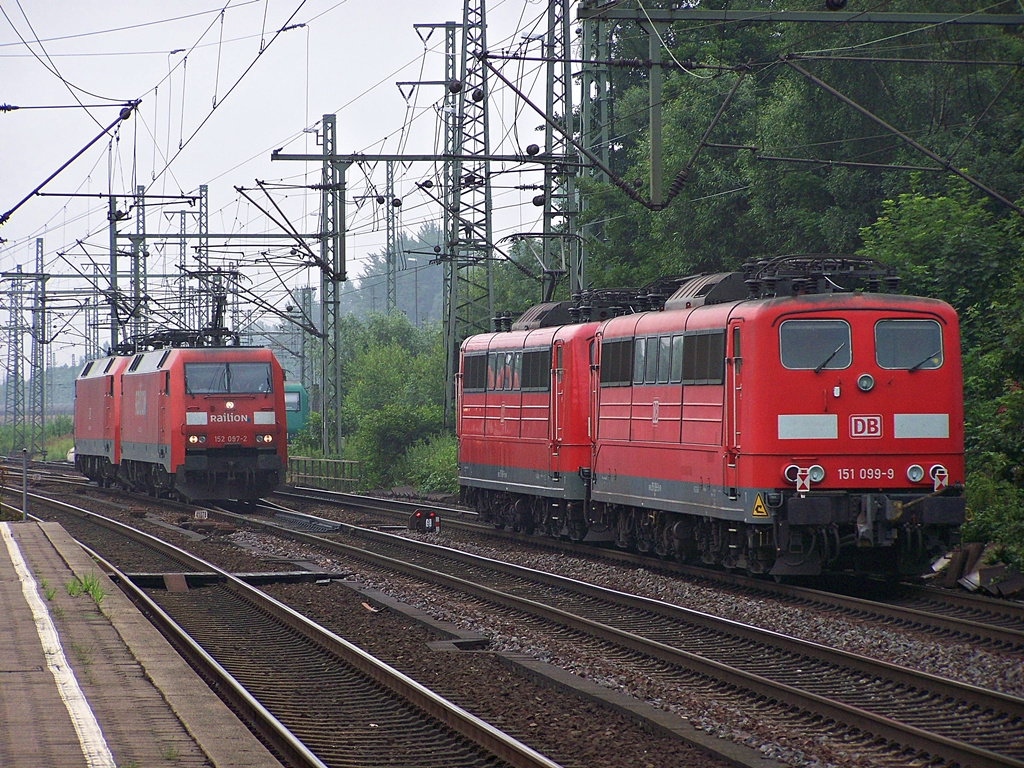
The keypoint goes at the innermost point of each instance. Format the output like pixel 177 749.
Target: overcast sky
pixel 213 108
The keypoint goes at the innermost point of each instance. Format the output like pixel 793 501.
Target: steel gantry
pixel 561 244
pixel 15 400
pixel 37 375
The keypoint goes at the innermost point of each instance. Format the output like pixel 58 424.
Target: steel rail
pixel 481 733
pixel 901 733
pixel 969 628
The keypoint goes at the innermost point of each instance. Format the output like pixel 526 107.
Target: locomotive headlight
pixel 935 470
pixel 264 438
pixel 915 473
pixel 790 472
pixel 230 405
pixel 197 439
pixel 865 382
pixel 816 473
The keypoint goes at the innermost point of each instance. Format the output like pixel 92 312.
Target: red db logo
pixel 865 426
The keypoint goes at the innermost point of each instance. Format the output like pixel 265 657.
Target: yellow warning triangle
pixel 760 510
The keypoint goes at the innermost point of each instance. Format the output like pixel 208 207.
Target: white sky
pixel 177 58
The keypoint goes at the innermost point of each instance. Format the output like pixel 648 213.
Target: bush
pixel 431 465
pixel 383 435
pixel 997 515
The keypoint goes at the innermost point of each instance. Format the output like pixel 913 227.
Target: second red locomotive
pixel 764 421
pixel 205 423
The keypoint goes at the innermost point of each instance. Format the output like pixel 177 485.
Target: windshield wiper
pixel 828 359
pixel 914 367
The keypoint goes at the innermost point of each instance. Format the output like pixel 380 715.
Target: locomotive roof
pixel 770 309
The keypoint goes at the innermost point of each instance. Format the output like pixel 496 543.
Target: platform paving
pixel 108 691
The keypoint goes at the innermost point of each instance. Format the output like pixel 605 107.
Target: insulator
pixel 380 199
pixel 533 150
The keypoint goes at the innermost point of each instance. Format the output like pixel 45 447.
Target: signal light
pixel 197 439
pixel 264 438
pixel 816 473
pixel 426 521
pixel 915 473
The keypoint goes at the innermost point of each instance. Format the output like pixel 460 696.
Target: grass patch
pixel 89 585
pixel 169 752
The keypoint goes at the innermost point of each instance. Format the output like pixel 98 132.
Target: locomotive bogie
pixel 787 435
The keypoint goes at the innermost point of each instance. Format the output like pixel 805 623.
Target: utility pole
pixel 469 270
pixel 139 322
pixel 332 256
pixel 15 404
pixel 113 216
pixel 37 375
pixel 392 255
pixel 595 117
pixel 560 240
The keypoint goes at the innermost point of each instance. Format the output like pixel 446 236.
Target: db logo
pixel 865 426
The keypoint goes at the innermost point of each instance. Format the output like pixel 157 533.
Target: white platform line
pixel 90 735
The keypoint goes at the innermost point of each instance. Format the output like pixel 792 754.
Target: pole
pixel 24 484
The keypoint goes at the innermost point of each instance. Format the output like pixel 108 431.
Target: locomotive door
pixel 733 407
pixel 557 415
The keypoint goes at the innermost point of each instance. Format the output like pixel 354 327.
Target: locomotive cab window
pixel 815 345
pixel 908 345
pixel 293 401
pixel 227 378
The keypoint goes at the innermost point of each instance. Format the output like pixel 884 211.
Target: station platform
pixel 94 684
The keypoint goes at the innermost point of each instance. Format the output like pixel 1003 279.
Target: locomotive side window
pixel 616 362
pixel 651 373
pixel 639 361
pixel 536 375
pixel 664 359
pixel 677 359
pixel 814 345
pixel 908 345
pixel 474 373
pixel 227 378
pixel 704 357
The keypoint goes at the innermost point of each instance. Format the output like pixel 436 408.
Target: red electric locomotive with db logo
pixel 789 419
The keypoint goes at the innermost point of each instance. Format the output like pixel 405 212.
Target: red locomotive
pixel 770 421
pixel 205 423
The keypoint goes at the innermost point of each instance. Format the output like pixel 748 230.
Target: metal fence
pixel 329 474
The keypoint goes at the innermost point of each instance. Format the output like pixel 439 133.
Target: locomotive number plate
pixel 867 473
pixel 231 439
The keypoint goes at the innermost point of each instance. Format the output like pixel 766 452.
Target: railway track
pixel 287 675
pixel 931 716
pixel 997 624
